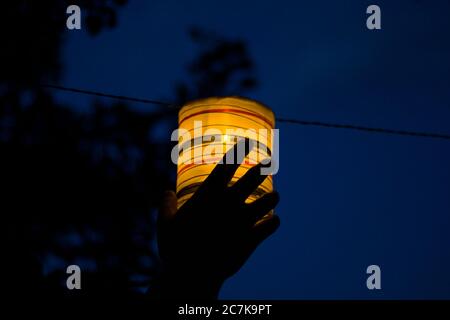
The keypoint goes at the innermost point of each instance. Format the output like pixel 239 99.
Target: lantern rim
pixel 217 99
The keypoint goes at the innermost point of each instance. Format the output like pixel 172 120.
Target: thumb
pixel 168 206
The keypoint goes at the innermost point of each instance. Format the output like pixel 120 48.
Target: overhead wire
pixel 283 120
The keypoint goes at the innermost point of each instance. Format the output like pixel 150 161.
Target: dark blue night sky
pixel 348 199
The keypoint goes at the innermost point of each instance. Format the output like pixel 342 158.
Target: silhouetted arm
pixel 212 235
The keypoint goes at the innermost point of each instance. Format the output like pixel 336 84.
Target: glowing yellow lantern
pixel 208 128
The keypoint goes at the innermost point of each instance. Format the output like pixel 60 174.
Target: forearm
pixel 183 286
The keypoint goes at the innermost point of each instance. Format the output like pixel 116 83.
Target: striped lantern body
pixel 208 128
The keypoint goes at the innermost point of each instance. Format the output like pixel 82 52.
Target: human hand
pixel 212 235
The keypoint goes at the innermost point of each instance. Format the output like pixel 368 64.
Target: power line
pixel 107 95
pixel 284 120
pixel 366 129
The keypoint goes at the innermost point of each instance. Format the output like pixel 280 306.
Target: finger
pixel 261 231
pixel 224 170
pixel 245 186
pixel 168 206
pixel 264 228
pixel 262 206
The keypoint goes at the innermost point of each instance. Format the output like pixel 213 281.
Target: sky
pixel 348 199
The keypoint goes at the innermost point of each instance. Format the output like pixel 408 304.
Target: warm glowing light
pixel 208 128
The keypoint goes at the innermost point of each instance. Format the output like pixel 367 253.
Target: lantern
pixel 208 128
